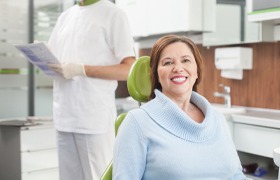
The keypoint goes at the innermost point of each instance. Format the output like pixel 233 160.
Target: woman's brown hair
pixel 156 53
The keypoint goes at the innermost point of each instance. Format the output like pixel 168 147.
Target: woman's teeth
pixel 180 79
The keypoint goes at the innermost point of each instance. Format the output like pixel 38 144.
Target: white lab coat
pixel 86 105
pixel 84 108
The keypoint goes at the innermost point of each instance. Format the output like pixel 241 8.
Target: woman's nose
pixel 177 67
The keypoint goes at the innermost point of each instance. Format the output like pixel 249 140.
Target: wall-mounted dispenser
pixel 232 61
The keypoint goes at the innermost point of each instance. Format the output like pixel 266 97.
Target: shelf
pixel 264 15
pixel 264 162
pixel 268 176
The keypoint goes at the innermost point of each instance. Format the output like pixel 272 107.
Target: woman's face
pixel 177 70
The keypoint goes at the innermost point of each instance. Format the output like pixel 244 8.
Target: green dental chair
pixel 139 88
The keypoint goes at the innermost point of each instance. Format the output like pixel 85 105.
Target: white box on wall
pixel 234 58
pixel 232 61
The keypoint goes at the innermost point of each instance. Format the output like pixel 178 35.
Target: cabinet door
pixel 39 160
pixel 157 17
pixel 165 16
pixel 228 26
pixel 35 139
pixel 256 140
pixel 48 174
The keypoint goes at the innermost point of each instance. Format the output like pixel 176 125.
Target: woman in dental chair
pixel 177 135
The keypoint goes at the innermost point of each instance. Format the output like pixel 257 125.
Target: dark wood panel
pixel 121 90
pixel 260 87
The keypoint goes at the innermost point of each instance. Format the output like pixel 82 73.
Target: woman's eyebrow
pixel 166 58
pixel 185 56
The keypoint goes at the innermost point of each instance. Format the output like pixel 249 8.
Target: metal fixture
pixel 225 95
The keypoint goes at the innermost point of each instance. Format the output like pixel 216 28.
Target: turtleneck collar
pixel 86 2
pixel 173 119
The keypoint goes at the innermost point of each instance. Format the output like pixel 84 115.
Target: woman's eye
pixel 185 60
pixel 167 63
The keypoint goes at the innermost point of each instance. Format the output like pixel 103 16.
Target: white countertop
pixel 240 114
pixel 263 113
pixel 28 123
pixel 254 116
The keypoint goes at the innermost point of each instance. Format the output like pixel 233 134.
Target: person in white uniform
pixel 93 42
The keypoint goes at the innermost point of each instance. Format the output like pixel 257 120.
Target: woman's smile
pixel 179 79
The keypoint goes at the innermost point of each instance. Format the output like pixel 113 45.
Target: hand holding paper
pixel 69 70
pixel 39 55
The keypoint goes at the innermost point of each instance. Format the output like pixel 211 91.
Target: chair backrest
pixel 139 82
pixel 139 88
pixel 107 175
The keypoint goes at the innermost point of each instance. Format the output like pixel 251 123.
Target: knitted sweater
pixel 160 142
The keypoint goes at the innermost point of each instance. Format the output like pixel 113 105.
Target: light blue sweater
pixel 160 142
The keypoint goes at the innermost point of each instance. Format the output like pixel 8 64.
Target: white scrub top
pixel 97 34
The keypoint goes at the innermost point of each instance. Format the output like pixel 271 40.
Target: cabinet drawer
pixel 49 174
pixel 38 139
pixel 255 139
pixel 39 160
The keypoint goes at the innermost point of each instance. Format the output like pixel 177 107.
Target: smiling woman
pixel 177 134
pixel 177 70
pixel 178 47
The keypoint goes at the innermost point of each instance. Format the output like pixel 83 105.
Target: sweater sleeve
pixel 130 151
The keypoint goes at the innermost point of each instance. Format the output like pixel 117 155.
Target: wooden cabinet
pixel 28 152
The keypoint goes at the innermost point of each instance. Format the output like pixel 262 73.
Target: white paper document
pixel 39 55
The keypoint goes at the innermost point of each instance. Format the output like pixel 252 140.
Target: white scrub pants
pixel 84 156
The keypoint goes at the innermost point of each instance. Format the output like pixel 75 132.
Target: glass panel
pixel 13 66
pixel 13 72
pixel 45 16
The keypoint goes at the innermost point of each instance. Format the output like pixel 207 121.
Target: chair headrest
pixel 139 82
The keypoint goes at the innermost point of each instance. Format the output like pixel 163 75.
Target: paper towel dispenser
pixel 234 58
pixel 232 61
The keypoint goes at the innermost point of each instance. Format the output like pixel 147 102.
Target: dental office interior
pixel 238 40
